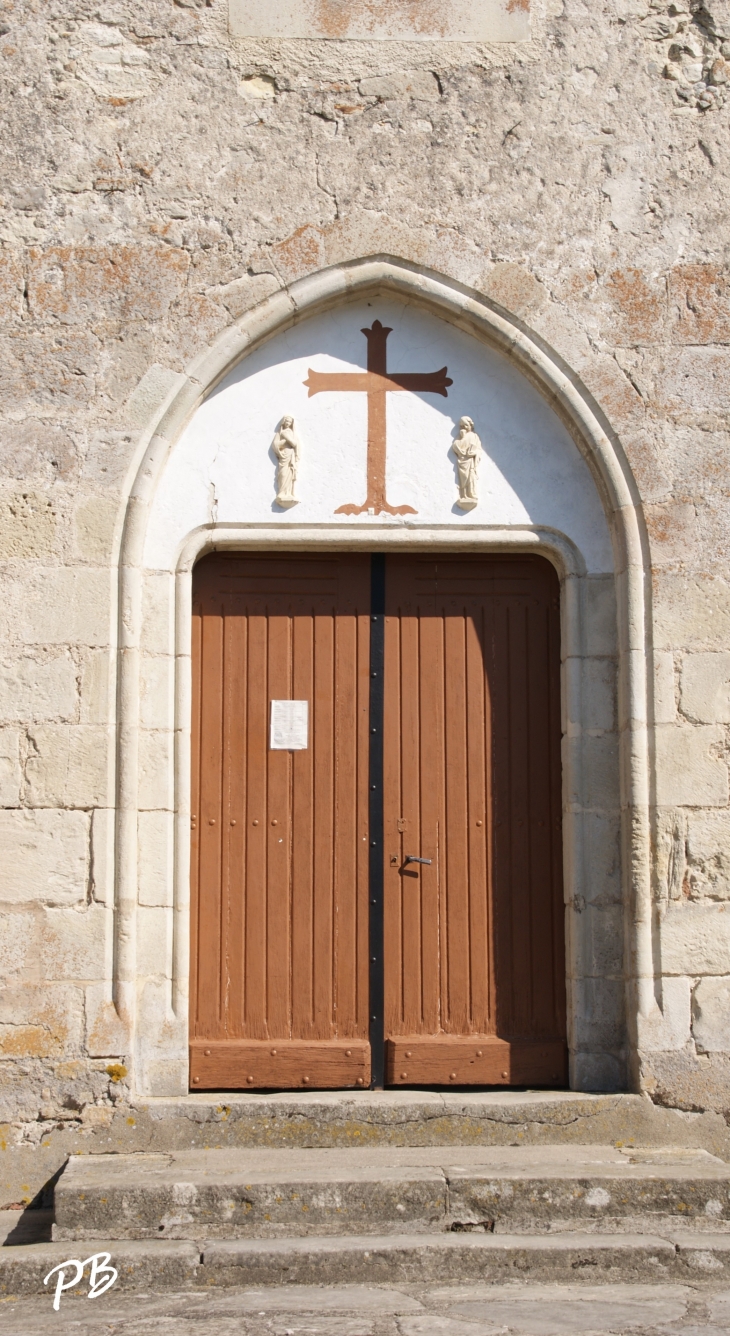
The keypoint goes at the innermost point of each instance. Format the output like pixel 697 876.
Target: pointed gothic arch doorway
pixel 202 481
pixel 379 899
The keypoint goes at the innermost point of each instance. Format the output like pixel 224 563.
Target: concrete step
pixel 163 1267
pixel 274 1194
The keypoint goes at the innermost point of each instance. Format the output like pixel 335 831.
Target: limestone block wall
pixel 160 180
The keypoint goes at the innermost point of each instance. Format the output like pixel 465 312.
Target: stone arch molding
pixel 152 1014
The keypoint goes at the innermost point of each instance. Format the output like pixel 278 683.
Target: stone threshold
pixel 398 1117
pixel 402 1097
pixel 420 1117
pixel 445 1116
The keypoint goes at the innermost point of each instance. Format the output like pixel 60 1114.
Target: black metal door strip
pixel 376 886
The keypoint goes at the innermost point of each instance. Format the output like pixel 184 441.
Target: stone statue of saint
pixel 468 450
pixel 286 446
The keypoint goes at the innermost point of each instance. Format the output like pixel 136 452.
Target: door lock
pixel 411 858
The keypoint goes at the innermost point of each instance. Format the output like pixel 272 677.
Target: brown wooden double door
pixel 323 955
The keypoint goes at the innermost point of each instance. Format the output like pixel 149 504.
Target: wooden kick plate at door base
pixel 285 1064
pixel 453 1060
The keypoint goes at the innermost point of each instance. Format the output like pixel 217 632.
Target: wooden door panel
pixel 476 1060
pixel 474 940
pixel 474 950
pixel 284 1064
pixel 280 850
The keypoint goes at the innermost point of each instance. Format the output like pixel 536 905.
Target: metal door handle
pixel 411 858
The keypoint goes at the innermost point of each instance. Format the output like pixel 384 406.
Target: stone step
pixel 413 1258
pixel 342 1118
pixel 163 1266
pixel 260 1194
pixel 153 1268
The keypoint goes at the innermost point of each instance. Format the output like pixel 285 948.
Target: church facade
pixel 364 530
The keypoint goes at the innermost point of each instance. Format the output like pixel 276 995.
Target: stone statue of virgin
pixel 287 447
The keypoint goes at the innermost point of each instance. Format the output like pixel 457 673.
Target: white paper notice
pixel 289 725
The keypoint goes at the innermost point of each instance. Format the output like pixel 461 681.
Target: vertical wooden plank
pixel 393 726
pixel 278 869
pixel 414 798
pixel 324 773
pixel 304 818
pixel 490 789
pixel 363 800
pixel 478 814
pixel 455 859
pixel 502 814
pixel 195 786
pixel 234 831
pixel 434 878
pixel 410 833
pixel 209 937
pixel 255 708
pixel 345 823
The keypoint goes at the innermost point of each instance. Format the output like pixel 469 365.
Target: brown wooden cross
pixel 376 383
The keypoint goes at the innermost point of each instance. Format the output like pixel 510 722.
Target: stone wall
pixel 160 180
